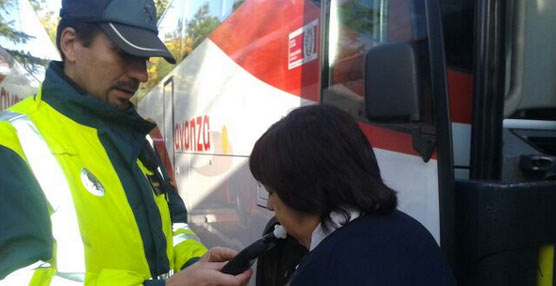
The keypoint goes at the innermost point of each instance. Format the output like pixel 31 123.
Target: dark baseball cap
pixel 130 24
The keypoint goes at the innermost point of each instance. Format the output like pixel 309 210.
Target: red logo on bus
pixel 193 135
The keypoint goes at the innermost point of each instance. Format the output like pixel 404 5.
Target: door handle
pixel 539 166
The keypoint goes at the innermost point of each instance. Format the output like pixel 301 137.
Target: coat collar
pixel 338 220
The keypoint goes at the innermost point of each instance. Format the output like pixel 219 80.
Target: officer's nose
pixel 137 69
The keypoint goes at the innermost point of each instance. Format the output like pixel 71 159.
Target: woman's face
pixel 298 225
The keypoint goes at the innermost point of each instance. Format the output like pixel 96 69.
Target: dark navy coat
pixel 386 250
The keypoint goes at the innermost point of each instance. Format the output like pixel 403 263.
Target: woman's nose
pixel 270 204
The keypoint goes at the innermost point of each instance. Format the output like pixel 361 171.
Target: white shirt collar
pixel 337 218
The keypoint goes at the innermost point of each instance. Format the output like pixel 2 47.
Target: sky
pixel 53 5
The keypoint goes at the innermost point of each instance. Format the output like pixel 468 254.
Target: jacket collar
pixel 68 98
pixel 338 220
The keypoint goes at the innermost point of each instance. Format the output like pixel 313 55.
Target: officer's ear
pixel 68 44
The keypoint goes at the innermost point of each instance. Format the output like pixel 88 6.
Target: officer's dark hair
pixel 318 160
pixel 85 32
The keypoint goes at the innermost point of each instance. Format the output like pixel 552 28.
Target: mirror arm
pixel 423 143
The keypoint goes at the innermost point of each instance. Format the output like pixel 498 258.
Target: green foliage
pixel 49 21
pixel 201 25
pixel 359 18
pixel 196 30
pixel 37 4
pixel 161 6
pixel 8 32
pixel 29 62
pixel 163 69
pixel 6 29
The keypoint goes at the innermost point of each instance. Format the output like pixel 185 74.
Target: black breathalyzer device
pixel 245 258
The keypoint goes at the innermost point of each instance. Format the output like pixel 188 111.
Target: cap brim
pixel 136 41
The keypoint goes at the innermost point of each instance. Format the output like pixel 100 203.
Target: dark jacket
pixel 376 250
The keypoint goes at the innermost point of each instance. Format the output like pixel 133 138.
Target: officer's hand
pixel 218 254
pixel 208 273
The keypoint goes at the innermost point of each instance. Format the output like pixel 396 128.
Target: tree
pixel 161 6
pixel 8 32
pixel 197 29
pixel 360 18
pixel 49 21
pixel 37 4
pixel 201 25
pixel 6 29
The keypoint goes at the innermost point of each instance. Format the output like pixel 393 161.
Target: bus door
pixel 383 63
pixel 168 117
pixel 506 213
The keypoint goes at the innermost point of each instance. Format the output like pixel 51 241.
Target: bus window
pixel 531 61
pixel 458 24
pixel 355 27
pixel 358 26
pixel 529 124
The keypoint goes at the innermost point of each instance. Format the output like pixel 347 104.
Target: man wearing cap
pixel 84 199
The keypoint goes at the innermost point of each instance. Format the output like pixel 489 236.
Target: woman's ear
pixel 68 44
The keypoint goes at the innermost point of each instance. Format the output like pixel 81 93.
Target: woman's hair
pixel 318 160
pixel 85 32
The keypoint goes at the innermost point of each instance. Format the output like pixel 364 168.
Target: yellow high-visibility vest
pixel 97 239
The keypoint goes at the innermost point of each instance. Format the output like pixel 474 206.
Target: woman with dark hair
pixel 325 188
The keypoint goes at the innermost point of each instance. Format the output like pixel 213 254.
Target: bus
pixel 457 97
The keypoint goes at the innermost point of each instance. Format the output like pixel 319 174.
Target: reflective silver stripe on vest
pixel 181 237
pixel 151 142
pixel 24 275
pixel 70 258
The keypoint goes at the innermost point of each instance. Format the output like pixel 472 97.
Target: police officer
pixel 84 200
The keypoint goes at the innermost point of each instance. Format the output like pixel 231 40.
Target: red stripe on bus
pixel 390 140
pixel 460 89
pixel 256 36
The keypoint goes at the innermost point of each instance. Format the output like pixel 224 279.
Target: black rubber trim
pixel 500 229
pixel 325 71
pixel 488 90
pixel 443 123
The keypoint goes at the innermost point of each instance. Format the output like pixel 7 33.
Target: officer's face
pixel 107 73
pixel 298 225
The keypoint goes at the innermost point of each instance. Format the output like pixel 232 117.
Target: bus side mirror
pixel 392 90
